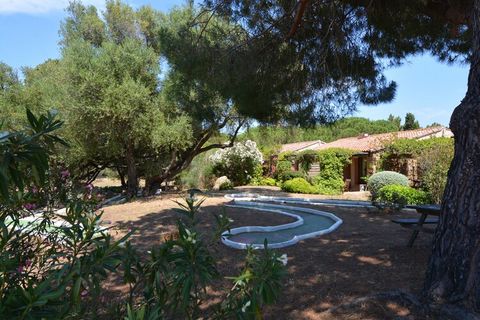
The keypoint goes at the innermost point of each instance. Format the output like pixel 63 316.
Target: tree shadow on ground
pixel 367 254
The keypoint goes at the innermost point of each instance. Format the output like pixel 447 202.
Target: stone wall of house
pixel 373 163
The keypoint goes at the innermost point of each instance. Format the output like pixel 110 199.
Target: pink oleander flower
pixel 84 293
pixel 29 206
pixel 89 187
pixel 65 174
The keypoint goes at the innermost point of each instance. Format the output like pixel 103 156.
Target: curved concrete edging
pixel 311 201
pixel 250 201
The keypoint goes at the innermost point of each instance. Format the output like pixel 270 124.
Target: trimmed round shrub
pixel 397 196
pixel 385 178
pixel 298 185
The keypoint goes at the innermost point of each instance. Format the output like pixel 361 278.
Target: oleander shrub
pixel 240 163
pixel 298 185
pixel 397 196
pixel 385 178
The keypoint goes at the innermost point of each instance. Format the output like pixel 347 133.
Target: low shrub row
pixel 397 196
pixel 264 181
pixel 300 185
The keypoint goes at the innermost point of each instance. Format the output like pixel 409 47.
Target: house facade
pixel 367 151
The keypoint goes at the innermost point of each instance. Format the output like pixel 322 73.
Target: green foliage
pixel 264 181
pixel 385 178
pixel 332 162
pixel 52 263
pixel 361 40
pixel 240 163
pixel 227 185
pixel 433 156
pixel 306 159
pixel 271 137
pixel 398 196
pixel 258 285
pixel 199 174
pixel 299 185
pixel 283 166
pixel 433 165
pixel 330 186
pixel 288 175
pixel 410 122
pixel 11 113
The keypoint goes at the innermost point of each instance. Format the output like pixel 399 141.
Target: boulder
pixel 221 181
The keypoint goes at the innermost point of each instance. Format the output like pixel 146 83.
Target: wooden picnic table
pixel 417 225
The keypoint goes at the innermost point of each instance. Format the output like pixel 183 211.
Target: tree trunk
pixel 453 274
pixel 132 179
pixel 121 174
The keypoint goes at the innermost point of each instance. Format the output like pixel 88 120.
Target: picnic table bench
pixel 417 224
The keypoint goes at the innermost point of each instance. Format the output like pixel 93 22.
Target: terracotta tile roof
pixel 300 146
pixel 375 142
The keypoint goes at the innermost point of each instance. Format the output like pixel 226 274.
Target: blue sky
pixel 429 89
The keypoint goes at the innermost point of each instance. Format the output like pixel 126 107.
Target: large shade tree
pixel 339 49
pixel 121 110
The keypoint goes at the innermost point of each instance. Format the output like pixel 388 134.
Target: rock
pixel 221 181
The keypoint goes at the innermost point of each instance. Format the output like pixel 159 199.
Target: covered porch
pixel 355 173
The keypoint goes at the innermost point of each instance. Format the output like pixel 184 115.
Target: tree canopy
pixel 343 46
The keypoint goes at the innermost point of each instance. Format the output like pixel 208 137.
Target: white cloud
pixel 39 6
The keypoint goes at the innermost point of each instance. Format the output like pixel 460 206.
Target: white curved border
pixel 243 203
pixel 310 201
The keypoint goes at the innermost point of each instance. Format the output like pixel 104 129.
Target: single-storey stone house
pixel 367 150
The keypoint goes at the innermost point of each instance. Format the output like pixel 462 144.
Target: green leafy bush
pixel 298 185
pixel 306 159
pixel 264 182
pixel 332 162
pixel 328 186
pixel 397 196
pixel 433 158
pixel 433 164
pixel 289 175
pixel 227 185
pixel 283 166
pixel 385 178
pixel 199 174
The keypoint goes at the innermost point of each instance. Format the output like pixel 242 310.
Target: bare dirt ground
pixel 366 255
